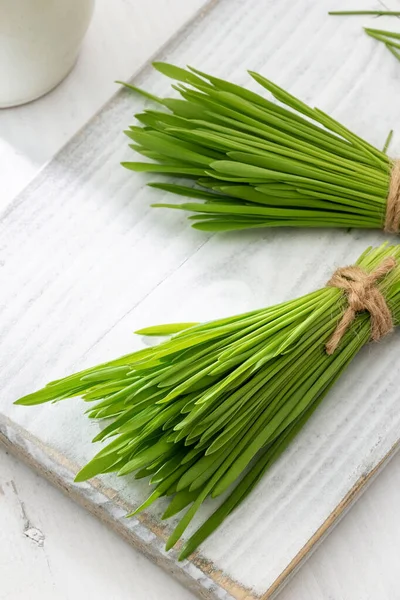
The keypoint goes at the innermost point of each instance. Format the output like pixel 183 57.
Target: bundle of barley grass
pixel 251 162
pixel 211 408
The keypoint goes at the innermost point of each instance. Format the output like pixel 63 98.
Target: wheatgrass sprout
pixel 249 161
pixel 391 39
pixel 211 408
pixel 375 13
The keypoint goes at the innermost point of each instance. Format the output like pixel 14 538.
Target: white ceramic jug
pixel 39 44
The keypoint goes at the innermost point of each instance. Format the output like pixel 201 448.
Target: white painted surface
pixel 337 569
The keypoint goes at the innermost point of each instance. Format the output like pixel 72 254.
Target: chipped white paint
pixel 29 531
pixel 35 535
pixel 91 206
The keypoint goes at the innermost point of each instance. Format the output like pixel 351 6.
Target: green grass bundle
pixel 211 408
pixel 251 162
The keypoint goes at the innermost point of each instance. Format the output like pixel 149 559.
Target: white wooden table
pixel 51 548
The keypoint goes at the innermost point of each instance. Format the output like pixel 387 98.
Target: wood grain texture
pixel 85 262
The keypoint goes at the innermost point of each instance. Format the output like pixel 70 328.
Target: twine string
pixel 362 295
pixel 392 218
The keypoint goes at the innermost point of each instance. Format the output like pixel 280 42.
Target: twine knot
pixel 362 295
pixel 392 219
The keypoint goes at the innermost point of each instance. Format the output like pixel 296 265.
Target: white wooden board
pixel 85 261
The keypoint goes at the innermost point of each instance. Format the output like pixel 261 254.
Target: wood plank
pixel 86 262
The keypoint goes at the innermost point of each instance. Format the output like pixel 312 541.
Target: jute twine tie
pixel 362 295
pixel 392 219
